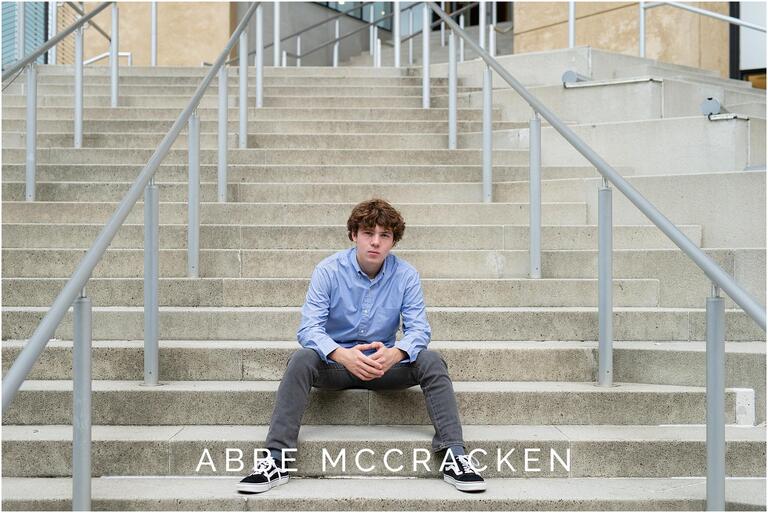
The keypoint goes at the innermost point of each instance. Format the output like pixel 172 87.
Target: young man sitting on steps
pixel 348 325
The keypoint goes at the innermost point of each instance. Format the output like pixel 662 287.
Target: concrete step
pixel 605 100
pixel 288 213
pixel 210 101
pixel 684 363
pixel 266 360
pixel 291 174
pixel 583 451
pixel 665 362
pixel 292 292
pixel 255 156
pixel 251 402
pixel 756 109
pixel 546 68
pixel 448 323
pixel 651 147
pixel 456 237
pixel 552 191
pixel 386 494
pixel 694 75
pixel 234 80
pixel 275 126
pixel 308 89
pixel 390 113
pixel 209 140
pixel 671 267
pixel 202 71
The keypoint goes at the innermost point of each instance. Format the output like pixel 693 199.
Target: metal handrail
pixel 54 41
pixel 360 29
pixel 704 12
pixel 81 12
pixel 644 6
pixel 319 23
pixel 104 55
pixel 45 330
pixel 715 273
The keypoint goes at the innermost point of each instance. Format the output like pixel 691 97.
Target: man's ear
pixel 353 236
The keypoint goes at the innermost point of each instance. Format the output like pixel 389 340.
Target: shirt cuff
pixel 325 347
pixel 408 348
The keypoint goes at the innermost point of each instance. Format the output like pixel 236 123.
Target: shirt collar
pixel 356 265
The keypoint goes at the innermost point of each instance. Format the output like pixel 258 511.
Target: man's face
pixel 373 245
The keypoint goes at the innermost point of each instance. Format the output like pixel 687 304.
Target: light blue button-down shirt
pixel 344 307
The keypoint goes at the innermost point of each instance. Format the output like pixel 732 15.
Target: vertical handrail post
pixel 371 36
pixel 481 28
pixel 492 40
pixel 336 30
pixel 79 87
pixel 276 35
pixel 378 52
pixel 81 400
pixel 21 30
pixel 31 136
pixel 223 134
pixel 642 29
pixel 114 56
pixel 151 276
pixel 243 94
pixel 396 31
pixel 284 60
pixel 193 221
pixel 494 14
pixel 605 283
pixel 298 51
pixel 715 401
pixel 259 57
pixel 153 36
pixel 410 39
pixel 442 26
pixel 426 24
pixel 452 91
pixel 376 46
pixel 461 39
pixel 53 28
pixel 487 135
pixel 534 196
pixel 571 24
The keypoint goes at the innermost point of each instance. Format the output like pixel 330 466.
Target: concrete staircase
pixel 522 353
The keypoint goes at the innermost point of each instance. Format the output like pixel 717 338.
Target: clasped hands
pixel 367 367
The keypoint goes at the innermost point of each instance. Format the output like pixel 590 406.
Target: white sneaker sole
pixel 261 487
pixel 477 486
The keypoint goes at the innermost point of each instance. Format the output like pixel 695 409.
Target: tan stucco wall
pixel 672 35
pixel 188 33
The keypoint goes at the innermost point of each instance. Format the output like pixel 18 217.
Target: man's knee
pixel 431 362
pixel 303 359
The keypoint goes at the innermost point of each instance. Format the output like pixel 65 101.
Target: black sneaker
pixel 265 476
pixel 462 474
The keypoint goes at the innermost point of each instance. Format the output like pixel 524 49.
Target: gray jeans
pixel 306 369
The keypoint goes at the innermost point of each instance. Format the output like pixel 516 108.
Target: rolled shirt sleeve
pixel 416 330
pixel 314 316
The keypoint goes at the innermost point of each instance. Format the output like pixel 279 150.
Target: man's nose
pixel 375 240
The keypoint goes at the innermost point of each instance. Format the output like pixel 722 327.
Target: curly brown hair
pixel 373 212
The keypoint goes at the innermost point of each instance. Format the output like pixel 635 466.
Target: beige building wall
pixel 188 33
pixel 672 35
